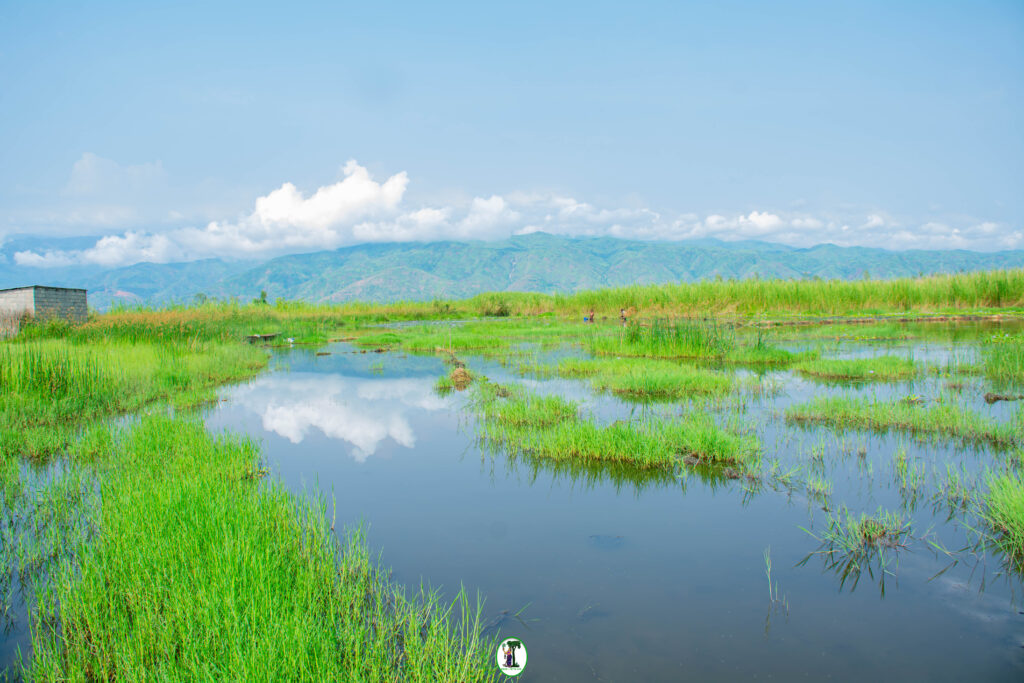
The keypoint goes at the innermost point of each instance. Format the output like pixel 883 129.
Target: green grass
pixel 514 407
pixel 1003 358
pixel 201 573
pixel 549 427
pixel 879 368
pixel 756 297
pixel 646 378
pixel 49 387
pixel 186 567
pixel 1003 510
pixel 851 544
pixel 489 336
pixel 944 419
pixel 706 339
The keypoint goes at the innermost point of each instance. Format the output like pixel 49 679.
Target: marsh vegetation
pixel 141 539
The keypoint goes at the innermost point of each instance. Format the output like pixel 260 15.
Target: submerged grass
pixel 852 543
pixel 945 419
pixel 201 573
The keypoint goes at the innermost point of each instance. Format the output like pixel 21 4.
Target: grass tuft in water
pixel 550 427
pixel 944 419
pixel 1003 510
pixel 880 368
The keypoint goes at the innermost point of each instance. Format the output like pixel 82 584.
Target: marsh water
pixel 614 574
pixel 611 574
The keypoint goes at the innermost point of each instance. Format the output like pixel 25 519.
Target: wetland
pixel 700 498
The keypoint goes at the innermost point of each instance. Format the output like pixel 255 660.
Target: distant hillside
pixel 537 262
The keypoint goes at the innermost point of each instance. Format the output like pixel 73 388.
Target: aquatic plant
pixel 853 543
pixel 1002 509
pixel 550 427
pixel 1003 357
pixel 945 419
pixel 879 368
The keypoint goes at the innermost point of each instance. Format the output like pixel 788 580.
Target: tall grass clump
pixel 682 338
pixel 1003 510
pixel 852 543
pixel 201 573
pixel 1004 358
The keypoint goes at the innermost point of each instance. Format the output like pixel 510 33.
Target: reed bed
pixel 704 339
pixel 933 293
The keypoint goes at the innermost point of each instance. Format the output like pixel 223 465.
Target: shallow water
pixel 619 575
pixel 628 577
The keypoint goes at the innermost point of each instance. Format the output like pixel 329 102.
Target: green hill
pixel 537 262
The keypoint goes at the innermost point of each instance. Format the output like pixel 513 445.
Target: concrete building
pixel 44 302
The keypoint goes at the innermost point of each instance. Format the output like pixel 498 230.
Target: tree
pixel 514 645
pixel 262 298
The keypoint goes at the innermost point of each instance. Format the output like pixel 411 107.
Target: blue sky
pixel 183 130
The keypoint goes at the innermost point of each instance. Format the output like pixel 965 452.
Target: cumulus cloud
pixel 358 208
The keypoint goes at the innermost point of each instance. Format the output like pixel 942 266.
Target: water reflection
pixel 666 566
pixel 362 412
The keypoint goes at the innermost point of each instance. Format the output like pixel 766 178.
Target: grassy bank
pixel 50 387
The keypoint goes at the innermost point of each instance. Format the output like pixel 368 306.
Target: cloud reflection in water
pixel 363 412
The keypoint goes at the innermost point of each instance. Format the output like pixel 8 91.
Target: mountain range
pixel 537 262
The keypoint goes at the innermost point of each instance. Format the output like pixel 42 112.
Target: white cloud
pixel 359 209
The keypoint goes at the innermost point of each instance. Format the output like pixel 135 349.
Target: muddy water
pixel 621 576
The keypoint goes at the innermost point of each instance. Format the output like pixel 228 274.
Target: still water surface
pixel 626 577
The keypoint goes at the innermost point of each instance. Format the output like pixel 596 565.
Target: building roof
pixel 66 289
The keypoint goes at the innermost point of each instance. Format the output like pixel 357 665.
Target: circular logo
pixel 511 656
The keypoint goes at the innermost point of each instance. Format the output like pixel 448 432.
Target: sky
pixel 177 131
